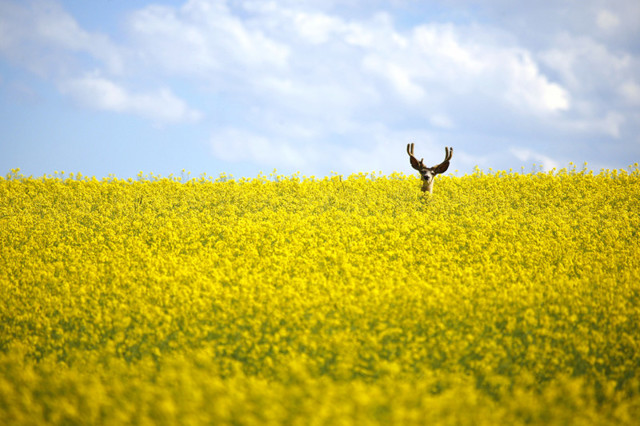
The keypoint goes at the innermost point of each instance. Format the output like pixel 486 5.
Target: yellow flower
pixel 503 298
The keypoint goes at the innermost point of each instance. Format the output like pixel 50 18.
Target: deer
pixel 427 174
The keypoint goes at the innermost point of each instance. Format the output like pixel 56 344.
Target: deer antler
pixel 418 165
pixel 442 167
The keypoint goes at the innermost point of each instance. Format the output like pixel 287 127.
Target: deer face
pixel 427 174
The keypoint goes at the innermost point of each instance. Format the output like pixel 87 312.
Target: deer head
pixel 428 173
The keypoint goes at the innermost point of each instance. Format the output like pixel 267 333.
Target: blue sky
pixel 316 86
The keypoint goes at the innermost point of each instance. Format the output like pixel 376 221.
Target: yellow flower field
pixel 502 298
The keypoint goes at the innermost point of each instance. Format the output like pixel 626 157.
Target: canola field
pixel 502 298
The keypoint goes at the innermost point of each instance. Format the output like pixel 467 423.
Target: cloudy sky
pixel 316 86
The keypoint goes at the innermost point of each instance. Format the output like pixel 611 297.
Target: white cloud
pixel 238 145
pixel 528 88
pixel 399 77
pixel 442 121
pixel 585 64
pixel 612 123
pixel 444 44
pixel 161 106
pixel 43 37
pixel 404 77
pixel 271 52
pixel 443 60
pixel 200 38
pixel 602 82
pixel 608 124
pixel 607 20
pixel 316 28
pixel 630 91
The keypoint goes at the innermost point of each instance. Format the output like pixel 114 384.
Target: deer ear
pixel 414 162
pixel 441 168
